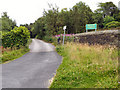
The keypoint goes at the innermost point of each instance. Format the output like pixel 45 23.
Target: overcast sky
pixel 27 11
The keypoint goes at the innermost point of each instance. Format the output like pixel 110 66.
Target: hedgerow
pixel 16 38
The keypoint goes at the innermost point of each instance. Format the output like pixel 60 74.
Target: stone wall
pixel 107 37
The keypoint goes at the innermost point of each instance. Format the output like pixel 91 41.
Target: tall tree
pixel 98 18
pixel 107 8
pixel 51 18
pixel 81 15
pixel 7 23
pixel 38 28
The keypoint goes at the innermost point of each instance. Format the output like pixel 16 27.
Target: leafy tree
pixel 107 8
pixel 81 15
pixel 38 28
pixel 7 23
pixel 98 18
pixel 67 20
pixel 117 17
pixel 52 21
pixel 51 17
pixel 108 19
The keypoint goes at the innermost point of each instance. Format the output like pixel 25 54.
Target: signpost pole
pixel 95 27
pixel 63 37
pixel 64 34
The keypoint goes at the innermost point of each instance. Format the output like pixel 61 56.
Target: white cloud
pixel 27 11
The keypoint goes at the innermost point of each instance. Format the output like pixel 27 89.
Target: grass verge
pixel 86 66
pixel 10 55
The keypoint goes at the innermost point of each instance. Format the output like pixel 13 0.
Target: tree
pixel 7 23
pixel 107 8
pixel 108 19
pixel 66 20
pixel 117 17
pixel 81 15
pixel 51 18
pixel 39 28
pixel 98 18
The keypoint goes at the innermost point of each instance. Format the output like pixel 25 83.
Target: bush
pixel 48 39
pixel 69 39
pixel 113 24
pixel 108 19
pixel 17 37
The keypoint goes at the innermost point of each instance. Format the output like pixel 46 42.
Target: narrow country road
pixel 34 69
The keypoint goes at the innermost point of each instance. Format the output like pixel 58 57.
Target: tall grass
pixel 86 66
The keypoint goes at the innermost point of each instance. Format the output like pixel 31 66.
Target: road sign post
pixel 64 34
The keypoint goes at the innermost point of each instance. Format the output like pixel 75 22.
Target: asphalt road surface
pixel 34 69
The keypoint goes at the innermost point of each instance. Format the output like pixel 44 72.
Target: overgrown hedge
pixel 16 38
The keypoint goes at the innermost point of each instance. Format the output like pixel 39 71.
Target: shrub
pixel 112 24
pixel 48 39
pixel 108 19
pixel 15 38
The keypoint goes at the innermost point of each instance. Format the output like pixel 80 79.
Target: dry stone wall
pixel 107 37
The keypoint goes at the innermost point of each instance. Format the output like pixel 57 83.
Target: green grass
pixel 14 54
pixel 10 55
pixel 86 66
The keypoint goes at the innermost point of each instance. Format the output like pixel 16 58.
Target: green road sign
pixel 91 26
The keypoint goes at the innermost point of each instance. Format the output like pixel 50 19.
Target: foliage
pixel 108 19
pixel 98 18
pixel 107 9
pixel 17 37
pixel 53 21
pixel 113 24
pixel 86 66
pixel 29 27
pixel 48 39
pixel 14 54
pixel 81 15
pixel 107 12
pixel 7 23
pixel 38 28
pixel 0 24
pixel 117 16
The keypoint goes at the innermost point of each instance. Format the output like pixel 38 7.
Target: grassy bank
pixel 86 66
pixel 14 54
pixel 10 55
